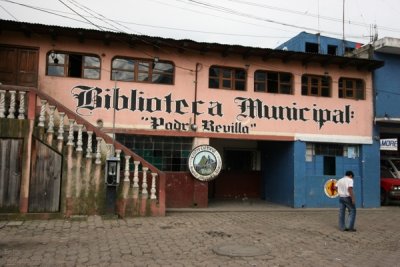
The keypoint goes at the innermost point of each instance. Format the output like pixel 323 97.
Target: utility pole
pixel 343 27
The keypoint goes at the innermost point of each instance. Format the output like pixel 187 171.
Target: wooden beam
pixel 107 40
pixel 226 51
pixel 246 54
pixel 81 37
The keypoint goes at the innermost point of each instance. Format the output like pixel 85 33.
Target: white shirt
pixel 343 186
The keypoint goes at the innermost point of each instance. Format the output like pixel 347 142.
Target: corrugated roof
pixel 189 45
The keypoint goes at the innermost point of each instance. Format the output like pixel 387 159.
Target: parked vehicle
pixel 390 180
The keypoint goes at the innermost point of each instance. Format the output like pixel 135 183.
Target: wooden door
pixel 18 66
pixel 8 65
pixel 45 182
pixel 10 173
pixel 27 67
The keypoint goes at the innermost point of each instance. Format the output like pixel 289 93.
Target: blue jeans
pixel 346 203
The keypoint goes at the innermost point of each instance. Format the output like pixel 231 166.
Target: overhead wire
pixel 11 15
pixel 142 39
pixel 352 22
pixel 104 18
pixel 247 15
pixel 97 26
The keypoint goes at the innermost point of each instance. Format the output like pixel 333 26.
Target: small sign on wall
pixel 205 163
pixel 330 188
pixel 389 144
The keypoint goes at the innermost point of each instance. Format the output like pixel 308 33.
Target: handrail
pixel 79 120
pixel 34 93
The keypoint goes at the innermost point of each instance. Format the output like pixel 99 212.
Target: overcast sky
pixel 258 23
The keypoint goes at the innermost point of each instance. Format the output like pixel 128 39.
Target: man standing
pixel 346 201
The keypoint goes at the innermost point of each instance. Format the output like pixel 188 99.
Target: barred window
pixel 329 149
pixel 227 78
pixel 64 64
pixel 142 70
pixel 351 88
pixel 165 153
pixel 273 82
pixel 313 85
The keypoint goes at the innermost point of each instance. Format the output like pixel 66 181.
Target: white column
pixel 118 153
pixel 136 174
pixel 11 110
pixel 126 173
pixel 79 142
pixel 2 103
pixel 153 186
pixel 89 145
pixel 144 182
pixel 98 153
pixel 21 110
pixel 61 126
pixel 50 128
pixel 71 132
pixel 42 116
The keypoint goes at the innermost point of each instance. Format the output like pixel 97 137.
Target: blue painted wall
pixel 370 175
pixel 387 85
pixel 298 43
pixel 290 180
pixel 278 171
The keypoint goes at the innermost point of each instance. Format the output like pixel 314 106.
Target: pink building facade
pixel 284 122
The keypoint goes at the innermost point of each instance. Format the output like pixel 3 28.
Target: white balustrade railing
pixel 13 105
pixel 48 114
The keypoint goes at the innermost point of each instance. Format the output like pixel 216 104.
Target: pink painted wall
pixel 360 112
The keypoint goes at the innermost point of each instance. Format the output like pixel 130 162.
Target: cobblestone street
pixel 286 237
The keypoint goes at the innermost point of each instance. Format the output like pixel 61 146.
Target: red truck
pixel 390 180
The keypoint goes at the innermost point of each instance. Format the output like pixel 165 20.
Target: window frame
pixel 138 70
pixel 67 66
pixel 356 93
pixel 320 86
pixel 279 81
pixel 167 153
pixel 233 79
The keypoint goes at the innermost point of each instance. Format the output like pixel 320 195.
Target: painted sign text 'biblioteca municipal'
pixel 152 109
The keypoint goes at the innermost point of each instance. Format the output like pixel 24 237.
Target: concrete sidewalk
pixel 269 237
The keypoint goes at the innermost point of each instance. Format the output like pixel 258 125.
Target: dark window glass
pixel 142 70
pixel 351 88
pixel 329 149
pixel 313 85
pixel 312 48
pixel 332 50
pixel 166 153
pixel 73 65
pixel 329 165
pixel 273 82
pixel 227 78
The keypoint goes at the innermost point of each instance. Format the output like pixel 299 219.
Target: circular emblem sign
pixel 330 188
pixel 205 163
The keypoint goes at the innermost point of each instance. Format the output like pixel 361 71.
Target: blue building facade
pixel 386 81
pixel 316 43
pixel 308 177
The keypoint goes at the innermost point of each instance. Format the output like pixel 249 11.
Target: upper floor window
pixel 73 65
pixel 314 85
pixel 351 88
pixel 273 82
pixel 332 50
pixel 227 78
pixel 312 47
pixel 142 70
pixel 348 49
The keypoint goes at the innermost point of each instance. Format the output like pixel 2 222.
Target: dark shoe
pixel 350 230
